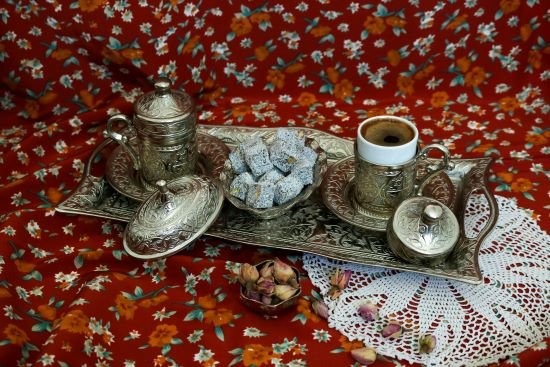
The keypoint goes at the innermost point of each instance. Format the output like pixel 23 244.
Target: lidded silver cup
pixel 165 122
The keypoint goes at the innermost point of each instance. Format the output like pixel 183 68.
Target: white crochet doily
pixel 473 324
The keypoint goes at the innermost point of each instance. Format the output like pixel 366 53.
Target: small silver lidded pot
pixel 165 122
pixel 422 231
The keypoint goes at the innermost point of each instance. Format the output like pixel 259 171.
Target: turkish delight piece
pixel 287 189
pixel 256 157
pixel 283 155
pixel 272 176
pixel 303 170
pixel 309 155
pixel 260 195
pixel 240 184
pixel 290 136
pixel 237 161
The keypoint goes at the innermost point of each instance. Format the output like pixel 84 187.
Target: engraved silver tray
pixel 310 227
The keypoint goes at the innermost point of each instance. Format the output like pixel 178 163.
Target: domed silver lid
pixel 164 104
pixel 425 227
pixel 173 217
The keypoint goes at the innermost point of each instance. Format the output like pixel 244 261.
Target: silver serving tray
pixel 311 227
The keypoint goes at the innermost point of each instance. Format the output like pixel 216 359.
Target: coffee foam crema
pixel 387 133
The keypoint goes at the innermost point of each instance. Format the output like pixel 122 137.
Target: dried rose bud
pixel 364 356
pixel 282 272
pixel 265 286
pixel 253 295
pixel 267 270
pixel 340 279
pixel 426 343
pixel 284 291
pixel 248 274
pixel 368 311
pixel 266 300
pixel 393 330
pixel 320 308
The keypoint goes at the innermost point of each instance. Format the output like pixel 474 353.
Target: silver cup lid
pixel 164 104
pixel 425 226
pixel 173 217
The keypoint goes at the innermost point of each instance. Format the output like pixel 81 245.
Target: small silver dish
pixel 273 309
pixel 422 231
pixel 227 175
pixel 173 217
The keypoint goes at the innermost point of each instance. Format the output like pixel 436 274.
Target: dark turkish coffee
pixel 387 133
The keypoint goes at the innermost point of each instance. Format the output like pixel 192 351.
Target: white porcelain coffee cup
pixel 387 140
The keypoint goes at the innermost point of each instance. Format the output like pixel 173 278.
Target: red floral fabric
pixel 471 74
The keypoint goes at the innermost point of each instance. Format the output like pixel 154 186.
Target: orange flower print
pixel 537 139
pixel 162 335
pixel 295 68
pixel 376 111
pixel 112 55
pixel 508 104
pixel 521 185
pixel 241 26
pixel 424 73
pixel 259 17
pixel 276 78
pixel 348 345
pixel 374 25
pixel 482 148
pixel 396 22
pixel 89 5
pixel 47 312
pixel 405 85
pixel 525 32
pixel 75 321
pixel 343 89
pixel 320 31
pixel 92 255
pixel 207 302
pixel 132 53
pixel 535 59
pixel 306 99
pixel 190 45
pixel 439 99
pixel 146 303
pixel 32 107
pixel 393 57
pixel 475 77
pixel 257 355
pixel 506 176
pixel 16 335
pixel 87 98
pixel 240 110
pixel 456 22
pixel 509 6
pixel 125 307
pixel 218 317
pixel 333 74
pixel 4 293
pixel 463 64
pixel 47 98
pixel 261 53
pixel 61 54
pixel 24 266
pixel 304 307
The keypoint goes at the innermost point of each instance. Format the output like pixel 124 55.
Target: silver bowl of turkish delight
pixel 268 177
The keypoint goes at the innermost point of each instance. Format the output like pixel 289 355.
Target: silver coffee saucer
pixel 337 192
pixel 122 176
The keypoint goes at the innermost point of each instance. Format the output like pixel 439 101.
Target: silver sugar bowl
pixel 423 231
pixel 165 123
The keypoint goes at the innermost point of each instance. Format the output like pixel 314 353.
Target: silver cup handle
pixel 433 169
pixel 122 139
